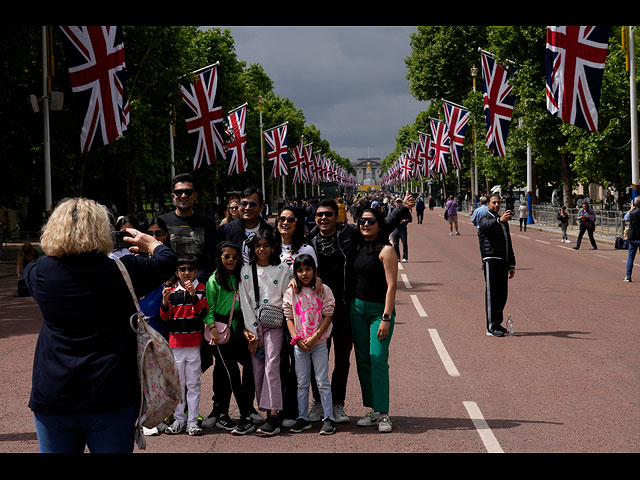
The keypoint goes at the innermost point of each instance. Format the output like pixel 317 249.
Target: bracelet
pixel 212 326
pixel 153 246
pixel 295 339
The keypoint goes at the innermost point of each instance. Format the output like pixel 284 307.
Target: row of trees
pixel 439 67
pixel 135 169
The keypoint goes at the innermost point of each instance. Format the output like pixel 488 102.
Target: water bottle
pixel 509 325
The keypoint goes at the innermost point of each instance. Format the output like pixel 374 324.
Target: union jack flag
pixel 405 167
pixel 440 142
pixel 498 104
pixel 298 163
pixel 575 60
pixel 95 56
pixel 236 148
pixel 422 169
pixel 457 119
pixel 277 153
pixel 308 161
pixel 204 118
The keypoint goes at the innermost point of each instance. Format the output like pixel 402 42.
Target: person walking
pixel 451 210
pixel 633 236
pixel 587 224
pixel 85 389
pixel 563 222
pixel 498 261
pixel 420 209
pixel 400 234
pixel 523 213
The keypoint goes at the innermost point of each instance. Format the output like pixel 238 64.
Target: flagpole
pixel 45 111
pixel 261 146
pixel 635 179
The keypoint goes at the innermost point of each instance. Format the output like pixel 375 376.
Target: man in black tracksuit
pixel 498 261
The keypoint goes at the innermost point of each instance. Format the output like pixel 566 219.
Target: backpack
pixel 159 379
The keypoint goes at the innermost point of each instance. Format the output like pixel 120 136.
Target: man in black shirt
pixel 190 232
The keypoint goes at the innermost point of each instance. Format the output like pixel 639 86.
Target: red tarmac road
pixel 566 382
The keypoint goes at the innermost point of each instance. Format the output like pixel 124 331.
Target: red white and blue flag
pixel 440 142
pixel 298 163
pixel 236 148
pixel 277 153
pixel 498 104
pixel 204 118
pixel 575 59
pixel 308 162
pixel 456 118
pixel 422 167
pixel 95 59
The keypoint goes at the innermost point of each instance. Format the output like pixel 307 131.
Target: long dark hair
pixel 222 274
pixel 298 238
pixel 376 245
pixel 269 236
pixel 307 260
pixel 149 222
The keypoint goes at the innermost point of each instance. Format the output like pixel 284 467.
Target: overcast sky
pixel 350 82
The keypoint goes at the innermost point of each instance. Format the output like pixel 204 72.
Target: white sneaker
pixel 175 428
pixel 193 429
pixel 404 260
pixel 149 432
pixel 316 412
pixel 369 420
pixel 384 424
pixel 339 414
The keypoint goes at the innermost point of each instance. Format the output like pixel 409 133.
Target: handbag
pixel 224 329
pixel 160 390
pixel 269 316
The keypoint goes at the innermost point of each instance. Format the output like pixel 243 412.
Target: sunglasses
pixel 324 214
pixel 186 269
pixel 287 219
pixel 245 204
pixel 156 233
pixel 260 246
pixel 364 221
pixel 233 208
pixel 227 256
pixel 186 191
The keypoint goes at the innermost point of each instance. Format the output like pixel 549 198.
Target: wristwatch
pixel 386 317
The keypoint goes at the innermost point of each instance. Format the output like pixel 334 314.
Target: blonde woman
pixel 85 389
pixel 233 211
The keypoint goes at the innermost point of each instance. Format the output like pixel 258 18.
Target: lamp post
pixel 474 74
pixel 261 146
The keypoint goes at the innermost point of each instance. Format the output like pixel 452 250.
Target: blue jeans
pixel 105 432
pixel 633 247
pixel 318 356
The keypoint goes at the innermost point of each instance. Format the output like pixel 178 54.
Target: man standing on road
pixel 633 237
pixel 335 245
pixel 499 263
pixel 451 208
pixel 400 233
pixel 190 232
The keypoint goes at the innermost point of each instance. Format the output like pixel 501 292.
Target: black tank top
pixel 371 283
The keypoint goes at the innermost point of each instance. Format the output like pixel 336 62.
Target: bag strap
pixel 127 279
pixel 255 284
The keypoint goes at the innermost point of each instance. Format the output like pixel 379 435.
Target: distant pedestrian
pixel 499 263
pixel 480 211
pixel 523 213
pixel 451 210
pixel 563 222
pixel 587 224
pixel 420 209
pixel 633 237
pixel 400 233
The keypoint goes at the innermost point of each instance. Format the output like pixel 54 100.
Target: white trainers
pixel 369 420
pixel 149 432
pixel 316 412
pixel 384 424
pixel 175 428
pixel 339 414
pixel 193 429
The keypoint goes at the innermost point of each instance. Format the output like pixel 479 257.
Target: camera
pixel 118 239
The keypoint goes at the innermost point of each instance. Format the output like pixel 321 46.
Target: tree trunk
pixel 567 198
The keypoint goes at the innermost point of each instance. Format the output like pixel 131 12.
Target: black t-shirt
pixel 193 235
pixel 371 282
pixel 331 264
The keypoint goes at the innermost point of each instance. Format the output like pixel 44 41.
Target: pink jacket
pixel 308 309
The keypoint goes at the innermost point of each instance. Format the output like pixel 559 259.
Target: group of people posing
pixel 261 305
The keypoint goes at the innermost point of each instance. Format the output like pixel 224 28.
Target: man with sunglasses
pixel 335 245
pixel 242 229
pixel 190 232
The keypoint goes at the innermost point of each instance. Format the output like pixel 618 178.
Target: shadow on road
pixel 558 333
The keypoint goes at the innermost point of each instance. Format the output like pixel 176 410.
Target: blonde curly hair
pixel 77 225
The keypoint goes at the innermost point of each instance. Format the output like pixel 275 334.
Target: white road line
pixel 624 261
pixel 542 241
pixel 601 256
pixel 522 236
pixel 486 435
pixel 416 303
pixel 444 355
pixel 562 246
pixel 400 267
pixel 405 279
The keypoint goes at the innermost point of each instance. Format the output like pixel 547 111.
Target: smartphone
pixel 118 239
pixel 260 353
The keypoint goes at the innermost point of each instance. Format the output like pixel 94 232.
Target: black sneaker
pixel 270 427
pixel 328 427
pixel 225 423
pixel 300 425
pixel 243 428
pixel 495 333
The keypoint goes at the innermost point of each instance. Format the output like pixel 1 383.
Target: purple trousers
pixel 266 371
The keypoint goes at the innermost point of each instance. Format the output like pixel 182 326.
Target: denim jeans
pixel 633 247
pixel 104 432
pixel 318 356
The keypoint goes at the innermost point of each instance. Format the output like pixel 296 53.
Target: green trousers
pixel 372 355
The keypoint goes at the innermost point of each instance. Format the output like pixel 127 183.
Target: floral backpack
pixel 159 379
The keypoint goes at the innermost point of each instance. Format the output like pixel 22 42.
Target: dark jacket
pixel 349 237
pixel 233 231
pixel 495 239
pixel 85 356
pixel 634 225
